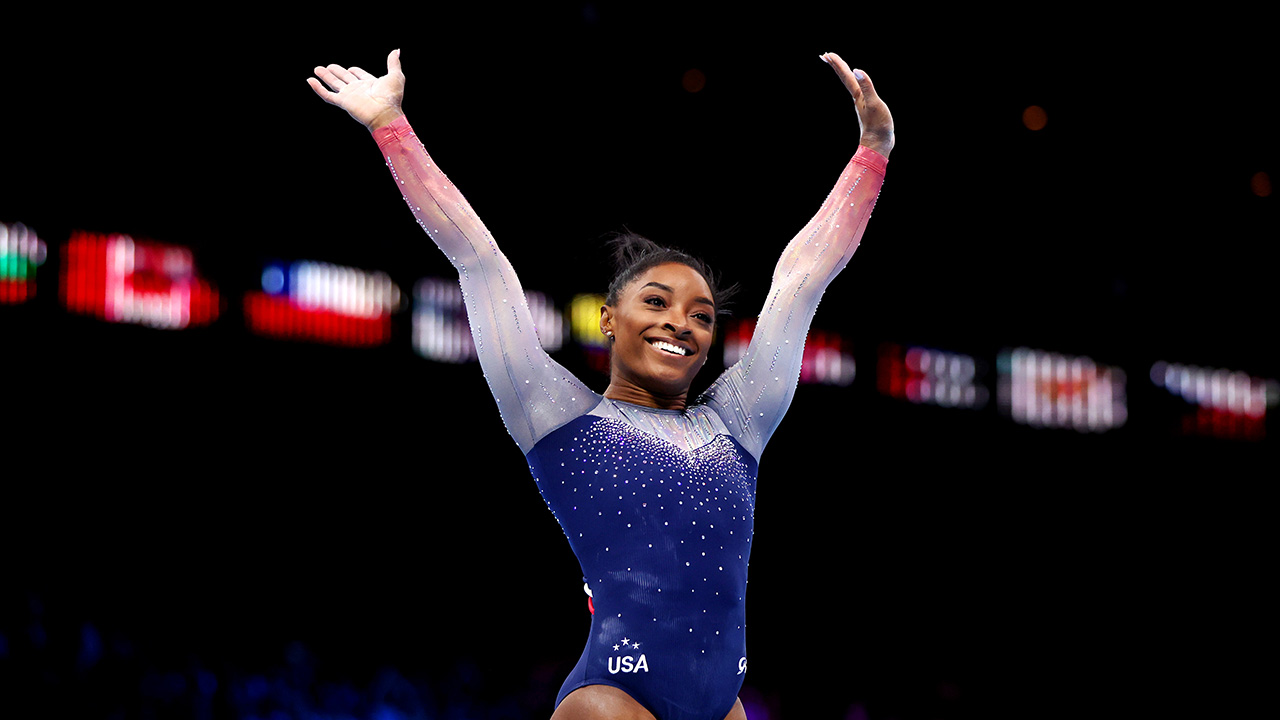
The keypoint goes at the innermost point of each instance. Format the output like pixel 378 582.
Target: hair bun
pixel 633 254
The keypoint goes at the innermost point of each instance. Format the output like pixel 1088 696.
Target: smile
pixel 669 348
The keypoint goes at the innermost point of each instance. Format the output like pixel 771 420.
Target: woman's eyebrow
pixel 660 286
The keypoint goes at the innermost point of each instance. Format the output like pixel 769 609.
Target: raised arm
pixel 754 394
pixel 535 394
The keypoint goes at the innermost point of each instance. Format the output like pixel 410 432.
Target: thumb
pixel 864 83
pixel 393 63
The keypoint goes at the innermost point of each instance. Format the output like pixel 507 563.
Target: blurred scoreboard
pixel 21 253
pixel 116 278
pixel 319 302
pixel 1052 390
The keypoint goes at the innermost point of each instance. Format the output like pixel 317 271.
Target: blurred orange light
pixel 584 327
pixel 1260 184
pixel 1035 118
pixel 694 80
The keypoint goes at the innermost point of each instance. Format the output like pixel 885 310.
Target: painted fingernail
pixel 823 58
pixel 859 74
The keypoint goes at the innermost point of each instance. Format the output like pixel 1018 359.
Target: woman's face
pixel 662 327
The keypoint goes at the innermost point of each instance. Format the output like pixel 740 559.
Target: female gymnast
pixel 656 495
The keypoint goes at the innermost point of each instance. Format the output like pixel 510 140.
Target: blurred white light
pixel 1224 403
pixel 925 375
pixel 1045 389
pixel 442 332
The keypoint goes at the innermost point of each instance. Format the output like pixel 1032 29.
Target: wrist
pixel 384 118
pixel 881 142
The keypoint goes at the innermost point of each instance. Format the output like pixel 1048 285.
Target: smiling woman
pixel 660 318
pixel 656 495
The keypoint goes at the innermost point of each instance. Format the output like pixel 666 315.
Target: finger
pixel 859 77
pixel 334 83
pixel 864 82
pixel 361 74
pixel 842 71
pixel 343 74
pixel 324 94
pixel 393 62
pixel 845 74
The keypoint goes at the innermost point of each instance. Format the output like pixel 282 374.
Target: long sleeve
pixel 535 394
pixel 754 394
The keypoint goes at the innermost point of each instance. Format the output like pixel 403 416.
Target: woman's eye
pixel 657 301
pixel 703 317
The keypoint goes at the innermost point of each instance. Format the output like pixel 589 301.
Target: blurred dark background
pixel 211 523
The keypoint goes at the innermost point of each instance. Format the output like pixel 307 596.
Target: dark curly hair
pixel 634 254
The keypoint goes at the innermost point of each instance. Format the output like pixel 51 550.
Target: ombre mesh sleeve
pixel 753 395
pixel 535 394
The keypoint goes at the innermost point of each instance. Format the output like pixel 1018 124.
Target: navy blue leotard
pixel 657 504
pixel 663 535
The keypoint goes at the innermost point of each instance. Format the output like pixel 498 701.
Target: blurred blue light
pixel 295 653
pixel 207 682
pixel 386 712
pixel 339 700
pixel 255 687
pixel 163 686
pixel 38 636
pixel 273 279
pixel 90 647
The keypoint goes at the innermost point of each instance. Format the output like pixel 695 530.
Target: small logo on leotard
pixel 742 666
pixel 628 663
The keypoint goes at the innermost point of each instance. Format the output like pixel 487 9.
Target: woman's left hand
pixel 373 101
pixel 874 120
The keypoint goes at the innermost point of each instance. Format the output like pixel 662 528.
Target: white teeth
pixel 670 348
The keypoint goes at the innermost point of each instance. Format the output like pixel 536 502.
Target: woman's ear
pixel 606 321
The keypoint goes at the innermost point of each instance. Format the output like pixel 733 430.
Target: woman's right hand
pixel 874 121
pixel 374 101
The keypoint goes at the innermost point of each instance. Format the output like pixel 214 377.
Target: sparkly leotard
pixel 657 504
